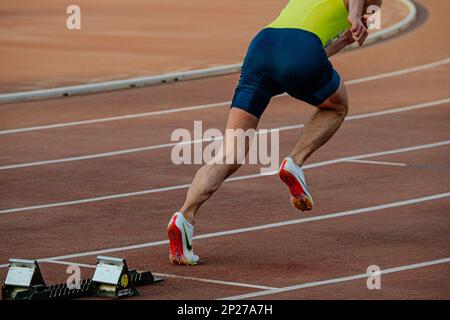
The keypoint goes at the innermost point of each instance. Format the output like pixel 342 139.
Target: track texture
pixel 244 261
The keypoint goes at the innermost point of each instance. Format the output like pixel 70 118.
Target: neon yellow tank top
pixel 325 18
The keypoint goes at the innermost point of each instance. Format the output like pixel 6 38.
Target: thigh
pixel 253 93
pixel 240 131
pixel 327 82
pixel 308 74
pixel 241 119
pixel 338 100
pixel 257 84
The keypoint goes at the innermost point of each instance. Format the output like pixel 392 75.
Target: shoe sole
pixel 299 199
pixel 176 256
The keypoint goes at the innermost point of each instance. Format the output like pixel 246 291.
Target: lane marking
pixel 400 72
pixel 68 263
pixel 110 197
pixel 215 105
pixel 383 163
pixel 256 228
pixel 227 283
pixel 337 280
pixel 419 106
pixel 174 276
pixel 239 178
pixel 116 118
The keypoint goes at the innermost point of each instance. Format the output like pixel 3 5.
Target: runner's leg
pixel 211 176
pixel 322 126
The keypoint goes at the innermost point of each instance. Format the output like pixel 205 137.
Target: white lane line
pixel 382 163
pixel 99 155
pixel 400 72
pixel 110 197
pixel 337 280
pixel 227 283
pixel 239 178
pixel 256 228
pixel 110 119
pixel 174 276
pixel 214 105
pixel 381 153
pixel 68 263
pixel 173 144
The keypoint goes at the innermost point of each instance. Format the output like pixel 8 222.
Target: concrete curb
pixel 178 76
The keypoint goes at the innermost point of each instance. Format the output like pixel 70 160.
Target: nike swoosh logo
pixel 303 184
pixel 188 245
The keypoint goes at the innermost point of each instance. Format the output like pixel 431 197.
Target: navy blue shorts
pixel 284 60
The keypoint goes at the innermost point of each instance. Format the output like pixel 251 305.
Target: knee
pixel 231 168
pixel 340 106
pixel 338 102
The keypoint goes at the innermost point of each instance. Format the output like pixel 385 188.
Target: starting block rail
pixel 111 279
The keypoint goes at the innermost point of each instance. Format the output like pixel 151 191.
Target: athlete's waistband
pixel 303 34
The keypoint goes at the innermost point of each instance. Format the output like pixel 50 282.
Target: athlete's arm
pixel 343 41
pixel 358 30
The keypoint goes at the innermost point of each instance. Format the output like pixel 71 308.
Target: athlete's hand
pixel 347 38
pixel 359 30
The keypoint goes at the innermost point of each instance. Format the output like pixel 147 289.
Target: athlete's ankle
pixel 188 216
pixel 299 160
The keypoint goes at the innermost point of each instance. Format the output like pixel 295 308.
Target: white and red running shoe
pixel 292 175
pixel 181 234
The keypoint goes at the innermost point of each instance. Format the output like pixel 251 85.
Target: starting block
pixel 111 279
pixel 22 275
